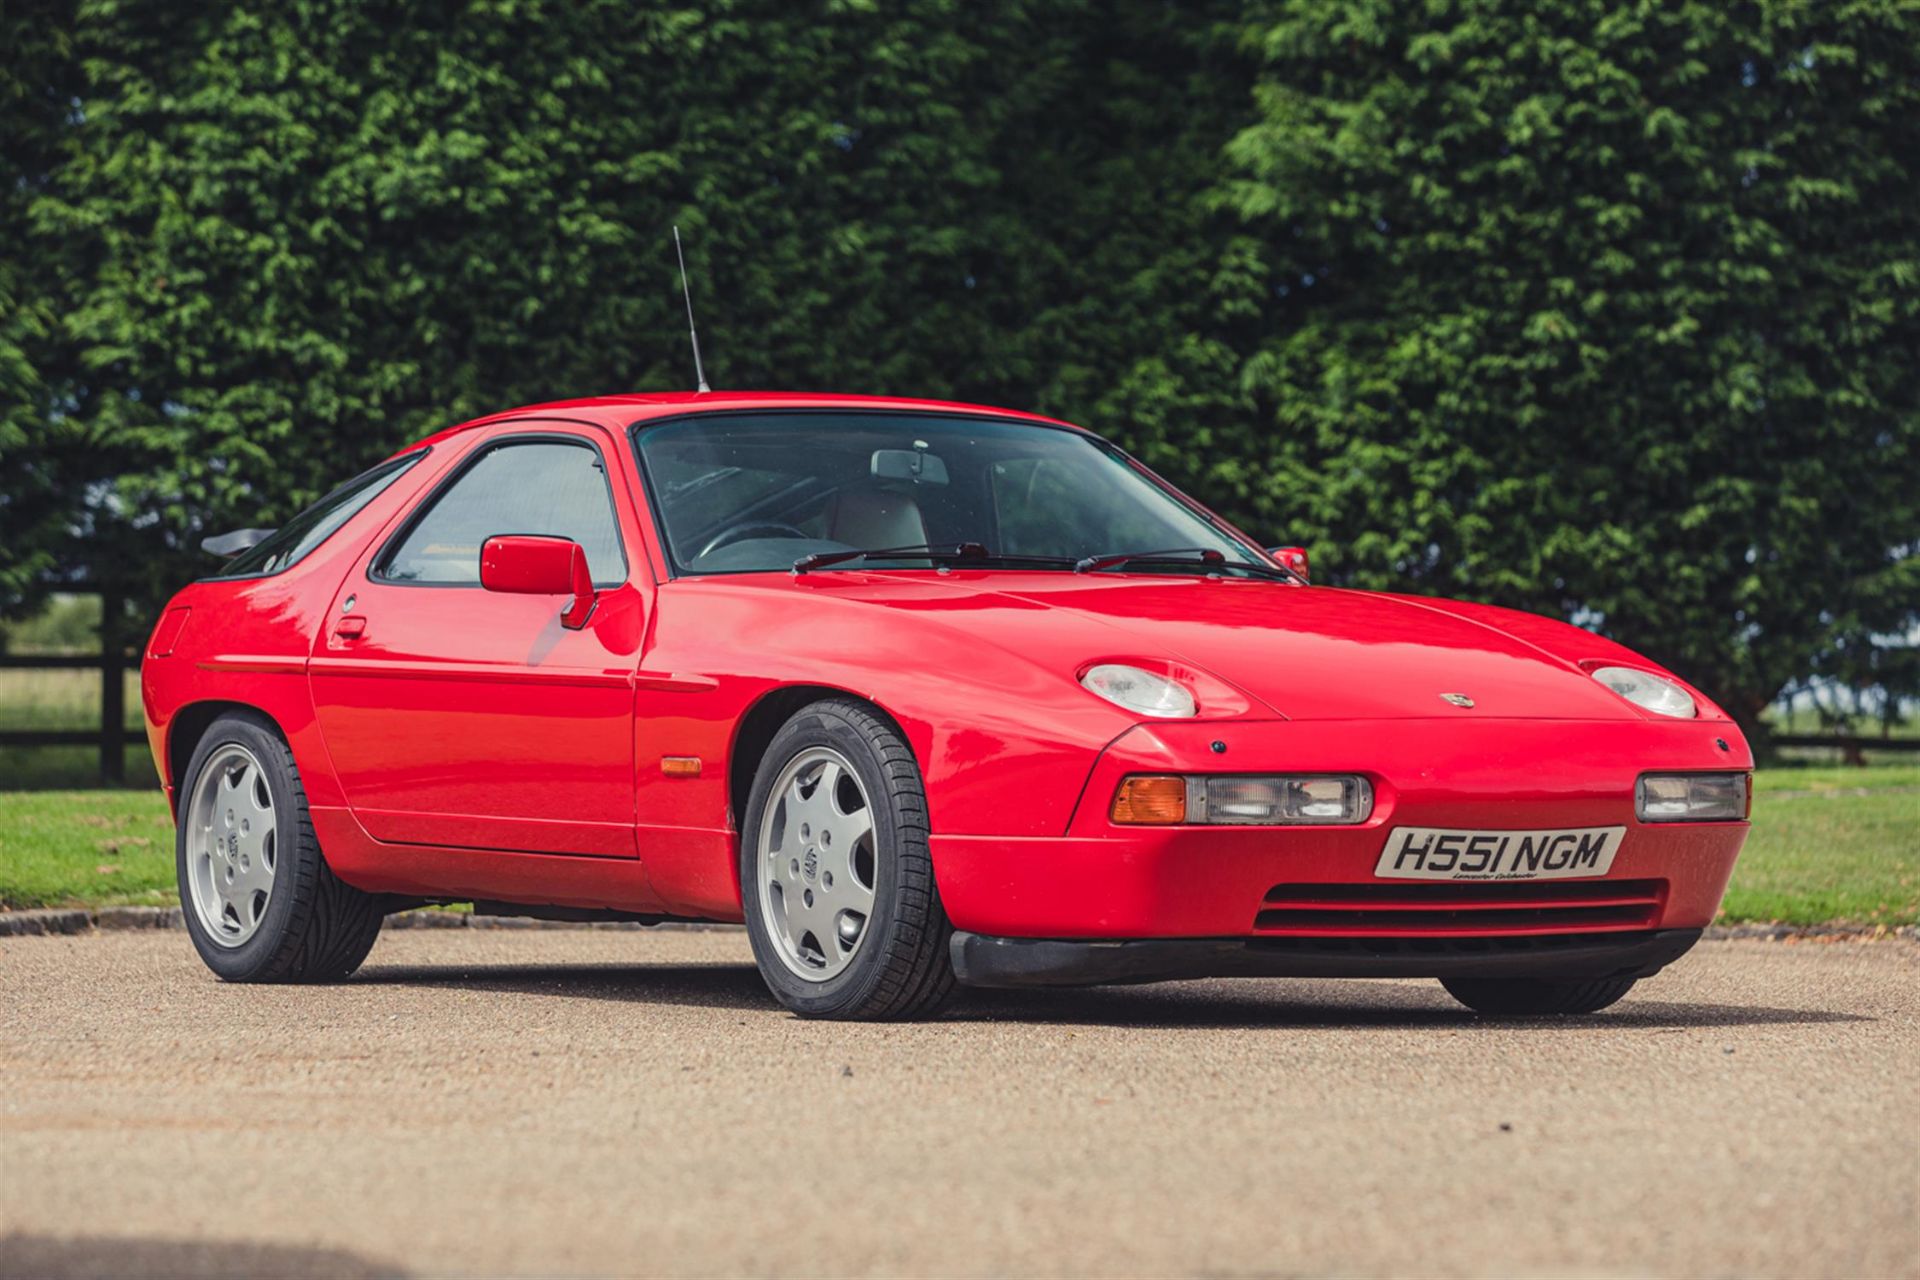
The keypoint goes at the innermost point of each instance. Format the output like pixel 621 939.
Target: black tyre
pixel 260 902
pixel 1521 997
pixel 835 871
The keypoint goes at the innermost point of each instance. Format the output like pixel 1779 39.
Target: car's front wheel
pixel 836 874
pixel 1523 997
pixel 260 902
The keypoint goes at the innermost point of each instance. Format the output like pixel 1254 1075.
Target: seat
pixel 873 518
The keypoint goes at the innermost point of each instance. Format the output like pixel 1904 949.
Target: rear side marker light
pixel 1244 800
pixel 1152 801
pixel 1692 797
pixel 167 634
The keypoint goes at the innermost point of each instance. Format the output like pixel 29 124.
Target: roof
pixel 620 411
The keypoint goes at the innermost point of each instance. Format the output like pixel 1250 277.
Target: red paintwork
pixel 1294 558
pixel 463 743
pixel 522 565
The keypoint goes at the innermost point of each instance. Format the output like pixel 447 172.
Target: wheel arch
pixel 190 724
pixel 761 721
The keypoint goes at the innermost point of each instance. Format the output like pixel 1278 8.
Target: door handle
pixel 351 627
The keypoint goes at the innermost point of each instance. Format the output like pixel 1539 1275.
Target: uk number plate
pixel 1428 853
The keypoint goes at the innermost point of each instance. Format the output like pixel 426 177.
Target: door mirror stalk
pixel 1293 559
pixel 528 565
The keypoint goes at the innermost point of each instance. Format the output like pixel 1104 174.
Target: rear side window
pixel 292 541
pixel 549 486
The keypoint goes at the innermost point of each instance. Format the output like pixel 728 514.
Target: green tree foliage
pixel 39 78
pixel 1605 310
pixel 294 238
pixel 1601 309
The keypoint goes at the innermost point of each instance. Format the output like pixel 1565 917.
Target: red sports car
pixel 925 694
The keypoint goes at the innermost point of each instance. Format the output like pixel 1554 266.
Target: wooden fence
pixel 1852 745
pixel 110 736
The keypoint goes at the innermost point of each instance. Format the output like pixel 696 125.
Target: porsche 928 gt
pixel 923 694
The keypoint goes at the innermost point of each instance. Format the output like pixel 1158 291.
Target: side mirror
pixel 1294 558
pixel 525 565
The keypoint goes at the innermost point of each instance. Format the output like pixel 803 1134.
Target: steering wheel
pixel 751 529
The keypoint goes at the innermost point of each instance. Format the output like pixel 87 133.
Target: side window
pixel 289 544
pixel 549 487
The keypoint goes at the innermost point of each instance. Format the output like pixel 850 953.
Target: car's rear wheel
pixel 1521 997
pixel 261 905
pixel 836 874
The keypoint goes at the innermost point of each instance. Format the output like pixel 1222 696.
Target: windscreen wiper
pixel 950 552
pixel 1198 557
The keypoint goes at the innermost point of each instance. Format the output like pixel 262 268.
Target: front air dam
pixel 982 961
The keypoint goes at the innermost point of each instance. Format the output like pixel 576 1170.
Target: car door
pixel 461 717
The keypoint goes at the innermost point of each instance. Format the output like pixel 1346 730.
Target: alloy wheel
pixel 232 852
pixel 816 862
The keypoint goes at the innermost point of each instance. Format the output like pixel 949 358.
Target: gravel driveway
pixel 599 1101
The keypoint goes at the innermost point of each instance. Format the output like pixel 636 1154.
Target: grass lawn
pixel 60 848
pixel 1828 844
pixel 1831 844
pixel 1832 779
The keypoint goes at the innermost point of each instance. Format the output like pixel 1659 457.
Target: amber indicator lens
pixel 1691 797
pixel 1151 801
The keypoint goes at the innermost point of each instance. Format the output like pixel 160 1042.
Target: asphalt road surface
pixel 599 1101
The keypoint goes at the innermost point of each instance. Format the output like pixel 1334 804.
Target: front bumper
pixel 1101 881
pixel 982 961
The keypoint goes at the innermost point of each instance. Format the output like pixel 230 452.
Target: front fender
pixel 1004 736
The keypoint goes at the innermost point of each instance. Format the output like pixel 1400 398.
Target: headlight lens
pixel 1644 689
pixel 1331 798
pixel 1243 800
pixel 1691 797
pixel 1140 691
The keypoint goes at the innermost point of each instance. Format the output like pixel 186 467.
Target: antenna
pixel 699 375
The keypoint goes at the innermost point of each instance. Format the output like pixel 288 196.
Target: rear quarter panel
pixel 247 641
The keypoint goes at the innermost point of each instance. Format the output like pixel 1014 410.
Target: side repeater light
pixel 167 634
pixel 1325 799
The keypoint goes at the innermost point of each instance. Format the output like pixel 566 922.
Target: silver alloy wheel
pixel 815 864
pixel 231 845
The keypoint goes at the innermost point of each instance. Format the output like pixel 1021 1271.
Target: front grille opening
pixel 1405 945
pixel 1523 907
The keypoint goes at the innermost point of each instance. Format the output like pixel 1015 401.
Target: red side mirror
pixel 525 565
pixel 1294 558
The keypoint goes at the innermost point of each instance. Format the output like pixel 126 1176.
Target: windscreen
pixel 745 493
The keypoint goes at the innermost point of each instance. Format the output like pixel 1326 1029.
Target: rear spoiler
pixel 232 544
